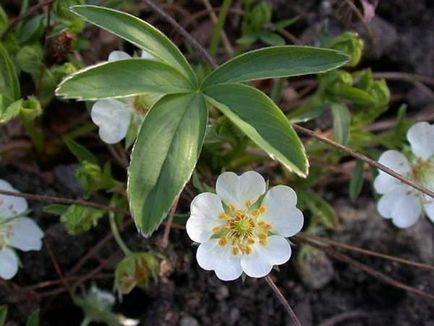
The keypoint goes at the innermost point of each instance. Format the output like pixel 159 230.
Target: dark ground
pixel 324 292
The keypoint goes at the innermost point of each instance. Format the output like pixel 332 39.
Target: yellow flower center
pixel 242 229
pixel 423 172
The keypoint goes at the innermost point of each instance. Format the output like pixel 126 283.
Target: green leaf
pixel 164 156
pixel 55 209
pixel 356 183
pixel 341 123
pixel 139 33
pixel 79 151
pixel 29 58
pixel 272 38
pixel 322 212
pixel 31 30
pixel 123 78
pixel 136 269
pixel 33 319
pixel 260 119
pixel 80 219
pixel 3 20
pixel 3 315
pixel 9 85
pixel 275 62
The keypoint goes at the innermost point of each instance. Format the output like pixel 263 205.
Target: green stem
pixel 117 236
pixel 219 27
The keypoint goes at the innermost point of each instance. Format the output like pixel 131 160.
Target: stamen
pixel 248 203
pixel 223 241
pixel 216 229
pixel 235 251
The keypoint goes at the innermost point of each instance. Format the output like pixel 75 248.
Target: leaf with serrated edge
pixel 261 120
pixel 123 78
pixel 138 32
pixel 164 157
pixel 276 62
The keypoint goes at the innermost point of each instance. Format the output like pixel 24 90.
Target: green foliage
pixel 80 152
pixel 356 183
pixel 3 20
pixel 124 78
pixel 80 219
pixel 322 212
pixel 3 314
pixel 139 33
pixel 9 85
pixel 274 62
pixel 350 43
pixel 136 269
pixel 92 178
pixel 157 174
pixel 257 25
pixel 341 122
pixel 33 319
pixel 260 119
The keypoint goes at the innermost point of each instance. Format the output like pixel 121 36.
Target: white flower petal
pixel 429 207
pixel 237 190
pixel 384 183
pixel 285 218
pixel 205 209
pixel 26 234
pixel 262 259
pixel 113 119
pixel 147 55
pixel 396 161
pixel 256 264
pixel 9 205
pixel 8 264
pixel 387 202
pixel 118 55
pixel 406 210
pixel 277 251
pixel 211 256
pixel 421 139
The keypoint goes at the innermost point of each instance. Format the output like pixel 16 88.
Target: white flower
pixel 400 202
pixel 113 117
pixel 15 231
pixel 240 230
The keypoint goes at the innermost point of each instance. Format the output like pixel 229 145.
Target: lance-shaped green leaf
pixel 9 85
pixel 276 62
pixel 124 78
pixel 260 119
pixel 164 156
pixel 341 123
pixel 137 32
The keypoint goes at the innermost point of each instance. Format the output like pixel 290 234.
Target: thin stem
pixel 367 252
pixel 282 300
pixel 218 29
pixel 366 159
pixel 165 240
pixel 202 52
pixel 59 200
pixel 395 75
pixel 117 236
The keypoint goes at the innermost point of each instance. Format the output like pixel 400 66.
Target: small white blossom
pixel 400 202
pixel 243 228
pixel 113 117
pixel 15 231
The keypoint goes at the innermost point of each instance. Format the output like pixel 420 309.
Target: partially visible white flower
pixel 400 202
pixel 242 230
pixel 113 117
pixel 15 231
